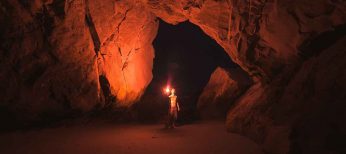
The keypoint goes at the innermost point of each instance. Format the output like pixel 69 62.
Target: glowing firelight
pixel 167 90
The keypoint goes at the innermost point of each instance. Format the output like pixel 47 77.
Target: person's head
pixel 173 91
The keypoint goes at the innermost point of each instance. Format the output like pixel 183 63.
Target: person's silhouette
pixel 173 110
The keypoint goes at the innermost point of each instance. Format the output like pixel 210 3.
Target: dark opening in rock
pixel 185 58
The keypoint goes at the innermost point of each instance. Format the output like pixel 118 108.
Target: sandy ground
pixel 199 138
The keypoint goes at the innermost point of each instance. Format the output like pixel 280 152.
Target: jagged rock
pixel 126 31
pixel 271 40
pixel 221 91
pixel 56 55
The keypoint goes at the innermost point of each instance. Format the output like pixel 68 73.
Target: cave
pixel 185 58
pixel 252 76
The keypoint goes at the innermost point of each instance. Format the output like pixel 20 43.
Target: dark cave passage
pixel 185 58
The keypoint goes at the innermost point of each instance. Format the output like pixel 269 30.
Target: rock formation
pixel 59 57
pixel 62 57
pixel 272 41
pixel 223 88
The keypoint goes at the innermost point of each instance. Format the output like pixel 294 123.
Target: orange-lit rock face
pixel 261 36
pixel 126 31
pixel 54 55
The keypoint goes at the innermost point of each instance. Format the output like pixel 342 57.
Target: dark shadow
pixel 313 47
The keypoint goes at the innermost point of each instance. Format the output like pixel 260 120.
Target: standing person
pixel 173 110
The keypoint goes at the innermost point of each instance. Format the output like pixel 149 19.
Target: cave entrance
pixel 185 57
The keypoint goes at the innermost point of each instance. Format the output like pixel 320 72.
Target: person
pixel 173 110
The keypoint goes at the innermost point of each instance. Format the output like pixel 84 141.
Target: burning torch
pixel 167 90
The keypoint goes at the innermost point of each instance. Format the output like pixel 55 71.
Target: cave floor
pixel 201 137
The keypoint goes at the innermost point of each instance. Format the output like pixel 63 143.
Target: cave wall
pixel 222 90
pixel 60 58
pixel 262 36
pixel 126 31
pixel 314 103
pixel 274 40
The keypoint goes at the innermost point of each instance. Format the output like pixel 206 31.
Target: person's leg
pixel 174 117
pixel 170 119
pixel 167 120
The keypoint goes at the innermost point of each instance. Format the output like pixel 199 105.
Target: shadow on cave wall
pixel 185 57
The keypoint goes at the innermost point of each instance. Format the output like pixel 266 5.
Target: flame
pixel 167 90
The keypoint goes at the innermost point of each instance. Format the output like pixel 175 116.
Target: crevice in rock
pixel 119 50
pixel 34 74
pixel 25 4
pixel 112 36
pixel 125 63
pixel 229 28
pixel 123 19
pixel 47 23
pixel 316 45
pixel 109 39
pixel 297 20
pixel 251 37
pixel 92 29
pixel 106 90
pixel 58 6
